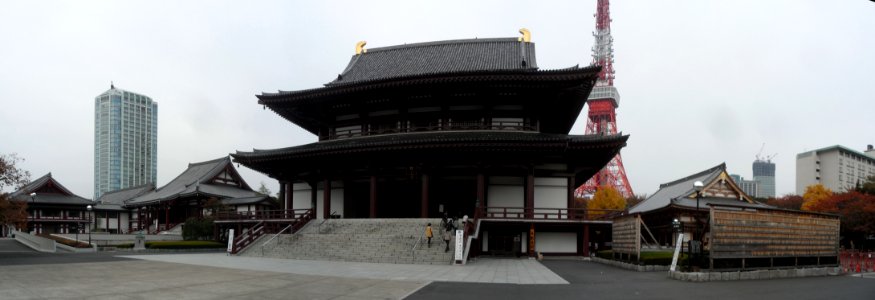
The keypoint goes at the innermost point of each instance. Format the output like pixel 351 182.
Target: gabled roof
pixel 199 179
pixel 120 196
pixel 438 57
pixel 681 191
pixel 48 191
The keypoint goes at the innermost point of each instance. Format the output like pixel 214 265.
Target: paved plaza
pixel 120 275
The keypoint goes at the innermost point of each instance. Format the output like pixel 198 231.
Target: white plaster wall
pixel 550 192
pixel 301 196
pixel 524 242
pixel 506 192
pixel 126 217
pixel 506 196
pixel 484 237
pixel 556 242
pixel 336 199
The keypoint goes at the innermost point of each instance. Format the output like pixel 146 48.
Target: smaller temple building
pixel 723 228
pixel 52 208
pixel 203 187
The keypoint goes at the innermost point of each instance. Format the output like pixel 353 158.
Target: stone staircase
pixel 358 240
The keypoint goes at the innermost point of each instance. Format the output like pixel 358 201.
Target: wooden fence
pixel 744 232
pixel 626 233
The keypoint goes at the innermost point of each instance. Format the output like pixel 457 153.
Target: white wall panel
pixel 556 242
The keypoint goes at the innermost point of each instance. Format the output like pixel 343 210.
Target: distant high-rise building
pixel 748 186
pixel 837 168
pixel 764 175
pixel 125 140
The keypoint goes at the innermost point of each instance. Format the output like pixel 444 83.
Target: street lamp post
pixel 89 225
pixel 33 209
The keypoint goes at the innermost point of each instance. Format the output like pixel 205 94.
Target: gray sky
pixel 702 82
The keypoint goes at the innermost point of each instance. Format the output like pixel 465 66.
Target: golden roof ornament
pixel 360 47
pixel 527 36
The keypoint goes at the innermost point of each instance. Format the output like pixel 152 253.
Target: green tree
pixel 263 189
pixel 815 194
pixel 868 187
pixel 12 212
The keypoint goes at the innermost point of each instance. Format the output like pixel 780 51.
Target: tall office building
pixel 764 175
pixel 837 168
pixel 125 140
pixel 748 186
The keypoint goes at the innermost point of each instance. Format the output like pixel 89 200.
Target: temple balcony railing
pixel 539 213
pixel 446 126
pixel 258 215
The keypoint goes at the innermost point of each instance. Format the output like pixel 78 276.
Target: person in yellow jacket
pixel 428 234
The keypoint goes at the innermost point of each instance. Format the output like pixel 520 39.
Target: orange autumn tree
pixel 605 198
pixel 814 194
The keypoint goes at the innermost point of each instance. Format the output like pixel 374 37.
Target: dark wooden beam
pixel 326 199
pixel 424 204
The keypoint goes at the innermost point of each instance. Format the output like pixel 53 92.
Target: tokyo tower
pixel 603 102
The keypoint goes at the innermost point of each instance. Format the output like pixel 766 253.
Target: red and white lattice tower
pixel 603 102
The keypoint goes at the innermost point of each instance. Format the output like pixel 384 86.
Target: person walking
pixel 428 234
pixel 448 233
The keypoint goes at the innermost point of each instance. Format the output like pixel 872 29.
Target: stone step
pixel 360 240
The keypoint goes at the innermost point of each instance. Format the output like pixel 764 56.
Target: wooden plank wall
pixel 772 233
pixel 626 232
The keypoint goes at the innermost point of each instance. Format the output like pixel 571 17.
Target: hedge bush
pixel 177 245
pixel 662 258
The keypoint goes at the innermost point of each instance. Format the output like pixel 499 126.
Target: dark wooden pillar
pixel 290 194
pixel 106 216
pixel 423 212
pixel 283 196
pixel 313 188
pixel 481 192
pixel 326 199
pixel 166 215
pixel 373 206
pixel 570 205
pixel 118 221
pixel 530 195
pixel 586 240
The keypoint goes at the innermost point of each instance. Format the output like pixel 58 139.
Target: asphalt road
pixel 595 281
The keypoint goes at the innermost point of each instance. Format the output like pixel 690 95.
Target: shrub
pixel 196 229
pixel 184 245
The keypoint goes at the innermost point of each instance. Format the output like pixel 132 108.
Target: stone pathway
pixel 517 271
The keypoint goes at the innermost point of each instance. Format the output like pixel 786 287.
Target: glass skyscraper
pixel 764 175
pixel 125 140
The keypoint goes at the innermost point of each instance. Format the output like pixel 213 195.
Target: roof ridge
pixel 208 162
pixel 438 43
pixel 721 166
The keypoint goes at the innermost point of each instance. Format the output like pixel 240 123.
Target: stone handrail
pixel 36 243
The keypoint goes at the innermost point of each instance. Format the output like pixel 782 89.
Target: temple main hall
pixel 461 127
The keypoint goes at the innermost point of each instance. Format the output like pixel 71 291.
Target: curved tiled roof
pixel 195 180
pixel 678 188
pixel 61 195
pixel 473 139
pixel 438 57
pixel 120 196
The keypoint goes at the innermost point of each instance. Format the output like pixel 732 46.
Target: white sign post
pixel 230 240
pixel 677 252
pixel 459 245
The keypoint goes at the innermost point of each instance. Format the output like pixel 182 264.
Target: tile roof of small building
pixel 438 57
pixel 120 196
pixel 195 180
pixel 63 196
pixel 678 188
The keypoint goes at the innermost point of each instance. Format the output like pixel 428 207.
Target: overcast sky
pixel 702 82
